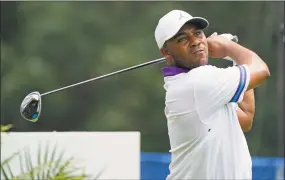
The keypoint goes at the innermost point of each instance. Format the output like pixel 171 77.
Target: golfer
pixel 208 109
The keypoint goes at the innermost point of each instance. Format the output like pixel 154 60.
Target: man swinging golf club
pixel 205 127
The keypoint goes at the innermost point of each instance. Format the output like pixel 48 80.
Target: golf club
pixel 30 108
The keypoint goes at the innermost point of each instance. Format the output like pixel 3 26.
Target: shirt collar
pixel 173 70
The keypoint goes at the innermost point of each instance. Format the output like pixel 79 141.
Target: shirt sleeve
pixel 219 86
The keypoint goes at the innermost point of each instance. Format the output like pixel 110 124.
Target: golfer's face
pixel 190 46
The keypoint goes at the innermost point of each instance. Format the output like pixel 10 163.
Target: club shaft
pixel 107 75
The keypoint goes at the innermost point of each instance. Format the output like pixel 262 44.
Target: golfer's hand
pixel 217 46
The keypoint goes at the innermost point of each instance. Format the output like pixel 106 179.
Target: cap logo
pixel 181 16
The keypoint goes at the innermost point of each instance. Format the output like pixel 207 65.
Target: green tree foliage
pixel 47 45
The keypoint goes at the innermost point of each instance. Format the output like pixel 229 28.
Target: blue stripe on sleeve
pixel 241 84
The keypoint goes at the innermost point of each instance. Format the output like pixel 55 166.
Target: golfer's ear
pixel 166 53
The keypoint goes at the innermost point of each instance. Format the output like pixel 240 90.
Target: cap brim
pixel 199 22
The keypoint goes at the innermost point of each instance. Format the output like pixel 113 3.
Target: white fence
pixel 115 154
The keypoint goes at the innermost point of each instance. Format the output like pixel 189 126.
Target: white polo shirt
pixel 206 139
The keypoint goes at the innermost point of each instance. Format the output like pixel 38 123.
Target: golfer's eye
pixel 198 33
pixel 182 39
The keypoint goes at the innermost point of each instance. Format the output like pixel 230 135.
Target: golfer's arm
pixel 246 111
pixel 259 71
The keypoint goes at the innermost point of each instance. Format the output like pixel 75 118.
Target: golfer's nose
pixel 195 42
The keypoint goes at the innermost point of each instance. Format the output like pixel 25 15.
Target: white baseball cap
pixel 172 22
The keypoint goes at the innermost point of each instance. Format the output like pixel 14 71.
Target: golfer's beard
pixel 185 64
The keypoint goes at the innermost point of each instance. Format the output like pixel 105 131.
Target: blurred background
pixel 47 45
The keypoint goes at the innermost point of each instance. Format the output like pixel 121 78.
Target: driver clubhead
pixel 31 107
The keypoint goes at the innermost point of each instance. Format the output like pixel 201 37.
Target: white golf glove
pixel 231 37
pixel 227 35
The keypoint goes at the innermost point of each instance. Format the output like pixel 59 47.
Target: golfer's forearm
pixel 258 69
pixel 246 110
pixel 242 55
pixel 244 120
